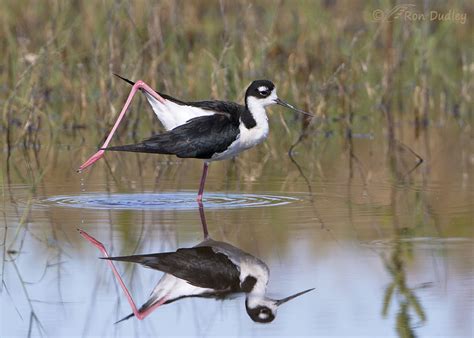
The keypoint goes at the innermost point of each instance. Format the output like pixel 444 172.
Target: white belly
pixel 172 287
pixel 247 139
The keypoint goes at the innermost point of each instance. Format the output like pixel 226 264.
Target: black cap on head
pixel 261 314
pixel 263 309
pixel 260 89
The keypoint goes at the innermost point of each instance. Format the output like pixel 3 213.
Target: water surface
pixel 387 253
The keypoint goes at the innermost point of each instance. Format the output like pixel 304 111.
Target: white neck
pixel 257 269
pixel 260 288
pixel 257 109
pixel 260 300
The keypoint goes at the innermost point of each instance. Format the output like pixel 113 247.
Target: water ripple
pixel 166 201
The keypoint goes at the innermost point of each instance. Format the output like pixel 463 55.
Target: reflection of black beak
pixel 287 105
pixel 284 300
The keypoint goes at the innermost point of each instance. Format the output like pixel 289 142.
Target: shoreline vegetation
pixel 331 58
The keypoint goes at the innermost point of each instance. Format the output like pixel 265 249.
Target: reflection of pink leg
pixel 203 220
pixel 137 86
pixel 203 182
pixel 139 314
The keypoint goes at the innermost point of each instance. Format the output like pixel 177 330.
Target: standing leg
pixel 203 182
pixel 137 86
pixel 139 314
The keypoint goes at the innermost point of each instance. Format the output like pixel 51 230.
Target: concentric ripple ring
pixel 166 201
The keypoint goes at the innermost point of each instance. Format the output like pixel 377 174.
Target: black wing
pixel 199 266
pixel 200 137
pixel 223 107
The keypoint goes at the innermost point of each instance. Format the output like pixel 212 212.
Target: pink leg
pixel 139 314
pixel 203 182
pixel 137 86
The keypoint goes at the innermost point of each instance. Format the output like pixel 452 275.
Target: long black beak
pixel 287 105
pixel 284 300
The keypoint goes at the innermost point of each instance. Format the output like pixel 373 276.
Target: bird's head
pixel 263 93
pixel 262 309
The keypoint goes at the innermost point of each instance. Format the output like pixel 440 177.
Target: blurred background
pixel 371 202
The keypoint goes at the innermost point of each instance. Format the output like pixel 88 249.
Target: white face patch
pixel 274 95
pixel 270 99
pixel 262 88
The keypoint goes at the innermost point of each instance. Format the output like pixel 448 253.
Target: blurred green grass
pixel 328 57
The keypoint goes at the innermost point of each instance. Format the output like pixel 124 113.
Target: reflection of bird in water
pixel 210 269
pixel 208 130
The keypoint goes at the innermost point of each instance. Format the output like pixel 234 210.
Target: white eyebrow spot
pixel 262 88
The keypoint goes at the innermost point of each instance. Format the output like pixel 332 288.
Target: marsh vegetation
pixel 377 189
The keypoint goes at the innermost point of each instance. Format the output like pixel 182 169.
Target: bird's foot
pixel 95 242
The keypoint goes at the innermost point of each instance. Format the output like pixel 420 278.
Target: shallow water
pixel 166 201
pixel 387 253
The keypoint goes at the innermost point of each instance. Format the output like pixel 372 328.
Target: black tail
pixel 139 147
pixel 125 318
pixel 136 148
pixel 135 258
pixel 126 80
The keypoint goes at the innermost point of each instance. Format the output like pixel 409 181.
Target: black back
pixel 234 109
pixel 199 266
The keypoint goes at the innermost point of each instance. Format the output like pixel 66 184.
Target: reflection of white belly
pixel 171 287
pixel 247 139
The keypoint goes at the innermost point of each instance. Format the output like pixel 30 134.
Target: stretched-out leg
pixel 139 314
pixel 203 182
pixel 137 86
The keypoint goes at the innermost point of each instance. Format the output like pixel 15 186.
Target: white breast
pixel 248 138
pixel 172 114
pixel 256 135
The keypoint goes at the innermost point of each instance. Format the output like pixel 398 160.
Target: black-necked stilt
pixel 210 269
pixel 208 130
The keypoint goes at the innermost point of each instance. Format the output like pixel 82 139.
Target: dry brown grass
pixel 328 57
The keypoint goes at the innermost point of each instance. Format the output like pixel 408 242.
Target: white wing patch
pixel 172 114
